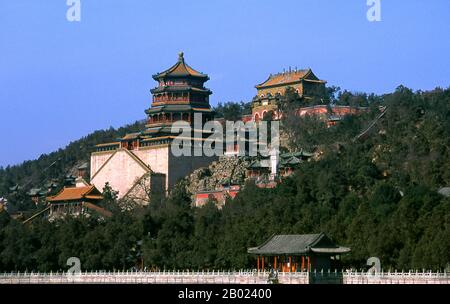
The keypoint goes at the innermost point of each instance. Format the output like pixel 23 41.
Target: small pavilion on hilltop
pixel 298 252
pixel 286 164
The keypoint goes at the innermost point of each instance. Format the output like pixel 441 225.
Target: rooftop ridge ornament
pixel 181 56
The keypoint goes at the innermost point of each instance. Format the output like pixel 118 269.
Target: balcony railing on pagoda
pixel 168 118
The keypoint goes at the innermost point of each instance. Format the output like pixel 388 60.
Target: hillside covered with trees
pixel 376 194
pixel 55 165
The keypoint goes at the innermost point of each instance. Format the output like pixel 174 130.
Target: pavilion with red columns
pixel 297 253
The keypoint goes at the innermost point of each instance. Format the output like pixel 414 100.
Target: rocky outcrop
pixel 226 170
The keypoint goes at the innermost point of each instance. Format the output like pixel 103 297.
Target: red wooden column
pixel 275 262
pixel 262 263
pixel 257 263
pixel 309 263
pixel 303 263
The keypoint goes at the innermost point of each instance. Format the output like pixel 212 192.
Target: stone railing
pixel 396 278
pixel 162 277
pixel 225 277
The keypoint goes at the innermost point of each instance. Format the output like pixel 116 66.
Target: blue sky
pixel 61 80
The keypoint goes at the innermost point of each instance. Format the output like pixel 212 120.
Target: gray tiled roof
pixel 298 244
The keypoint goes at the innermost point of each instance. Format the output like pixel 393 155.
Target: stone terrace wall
pixel 222 277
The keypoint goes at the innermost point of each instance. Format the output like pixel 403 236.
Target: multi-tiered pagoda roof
pixel 180 94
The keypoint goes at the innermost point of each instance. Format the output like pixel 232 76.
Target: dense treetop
pixel 377 195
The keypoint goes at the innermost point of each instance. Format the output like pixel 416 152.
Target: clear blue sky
pixel 61 80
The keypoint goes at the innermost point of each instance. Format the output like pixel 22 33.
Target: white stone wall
pixel 98 159
pixel 161 160
pixel 121 171
pixel 157 158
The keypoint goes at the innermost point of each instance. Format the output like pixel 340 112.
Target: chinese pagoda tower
pixel 180 93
